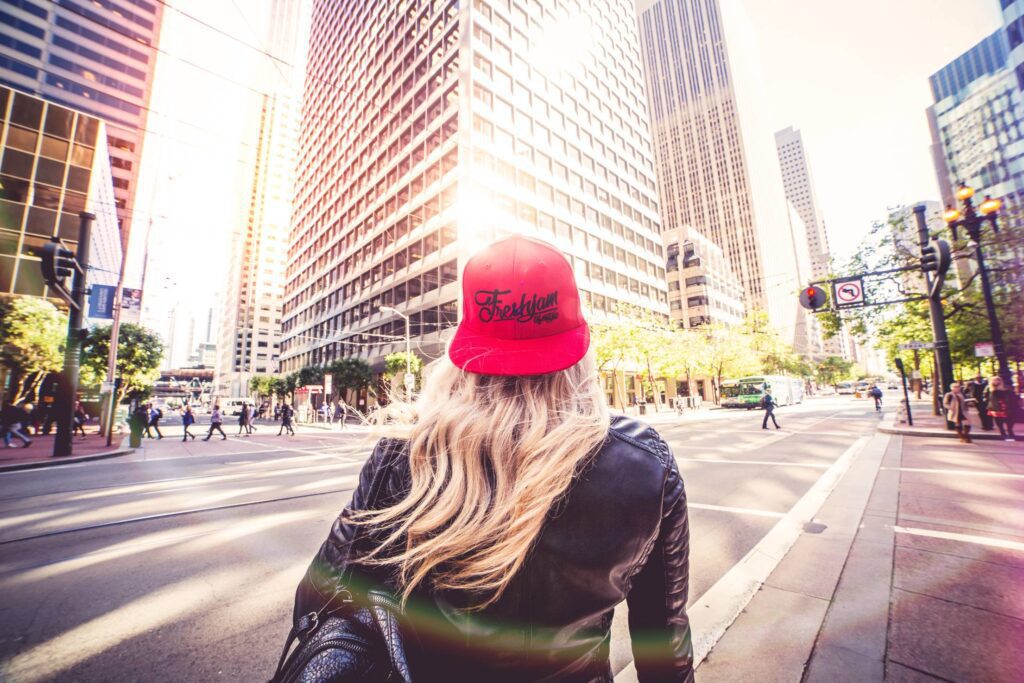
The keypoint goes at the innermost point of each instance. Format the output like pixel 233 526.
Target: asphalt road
pixel 182 566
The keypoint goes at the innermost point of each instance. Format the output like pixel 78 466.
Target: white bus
pixel 747 392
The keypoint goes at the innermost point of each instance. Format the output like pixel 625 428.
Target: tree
pixel 32 339
pixel 264 386
pixel 350 373
pixel 139 352
pixel 833 370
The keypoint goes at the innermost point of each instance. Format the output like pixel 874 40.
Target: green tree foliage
pixel 32 337
pixel 139 351
pixel 349 373
pixel 394 364
pixel 833 370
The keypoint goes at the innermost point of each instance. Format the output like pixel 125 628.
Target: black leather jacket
pixel 620 534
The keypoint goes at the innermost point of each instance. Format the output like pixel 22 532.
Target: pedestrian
pixel 277 412
pixel 1003 406
pixel 286 420
pixel 977 389
pixel 243 420
pixel 491 513
pixel 79 419
pixel 876 393
pixel 956 404
pixel 341 412
pixel 215 421
pixel 13 419
pixel 155 414
pixel 768 404
pixel 187 420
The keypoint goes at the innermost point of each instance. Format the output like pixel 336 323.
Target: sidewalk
pixel 913 570
pixel 926 423
pixel 40 453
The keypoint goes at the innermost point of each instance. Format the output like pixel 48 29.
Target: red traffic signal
pixel 812 297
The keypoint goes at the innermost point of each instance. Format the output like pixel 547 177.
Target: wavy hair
pixel 489 457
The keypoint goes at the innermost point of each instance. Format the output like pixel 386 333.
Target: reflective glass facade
pixel 432 128
pixel 94 56
pixel 53 165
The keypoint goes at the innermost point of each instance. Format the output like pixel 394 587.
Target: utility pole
pixel 115 331
pixel 943 360
pixel 72 353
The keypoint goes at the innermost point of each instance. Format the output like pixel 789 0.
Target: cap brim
pixel 486 355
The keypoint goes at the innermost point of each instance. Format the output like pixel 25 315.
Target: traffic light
pixel 935 258
pixel 812 297
pixel 58 263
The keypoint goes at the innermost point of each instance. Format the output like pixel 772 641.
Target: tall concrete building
pixel 94 57
pixel 249 338
pixel 702 287
pixel 799 188
pixel 977 123
pixel 717 166
pixel 429 130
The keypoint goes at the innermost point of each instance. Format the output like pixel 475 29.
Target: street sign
pixel 849 292
pixel 328 379
pixel 106 387
pixel 984 350
pixel 916 346
pixel 101 302
pixel 410 381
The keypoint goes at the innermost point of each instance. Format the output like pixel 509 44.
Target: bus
pixel 747 392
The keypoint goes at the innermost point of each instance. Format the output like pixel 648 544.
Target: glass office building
pixel 93 56
pixel 432 128
pixel 977 124
pixel 53 165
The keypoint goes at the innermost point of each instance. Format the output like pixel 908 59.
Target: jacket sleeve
pixel 658 625
pixel 337 552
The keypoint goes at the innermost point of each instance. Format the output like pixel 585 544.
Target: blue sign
pixel 101 302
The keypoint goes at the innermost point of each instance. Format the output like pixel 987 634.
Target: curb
pixel 939 433
pixel 57 462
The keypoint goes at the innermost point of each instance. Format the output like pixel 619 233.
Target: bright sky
pixel 851 75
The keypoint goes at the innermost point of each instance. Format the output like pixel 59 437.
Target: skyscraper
pixel 800 193
pixel 53 165
pixel 249 337
pixel 93 57
pixel 977 123
pixel 431 129
pixel 1013 22
pixel 716 164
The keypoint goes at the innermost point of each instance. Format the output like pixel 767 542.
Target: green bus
pixel 747 392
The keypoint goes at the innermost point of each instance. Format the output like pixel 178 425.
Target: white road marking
pixel 963 538
pixel 772 463
pixel 960 473
pixel 738 511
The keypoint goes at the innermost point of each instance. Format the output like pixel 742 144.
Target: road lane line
pixel 771 463
pixel 961 473
pixel 962 538
pixel 739 511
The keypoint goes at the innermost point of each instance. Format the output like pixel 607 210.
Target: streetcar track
pixel 168 515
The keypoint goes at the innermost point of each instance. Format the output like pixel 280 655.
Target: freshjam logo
pixel 540 308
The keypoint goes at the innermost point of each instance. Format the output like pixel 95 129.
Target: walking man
pixel 187 420
pixel 978 390
pixel 341 412
pixel 286 420
pixel 215 421
pixel 154 421
pixel 244 420
pixel 78 425
pixel 769 404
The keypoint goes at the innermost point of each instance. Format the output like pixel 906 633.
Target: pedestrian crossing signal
pixel 812 297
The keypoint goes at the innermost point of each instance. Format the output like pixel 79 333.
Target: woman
pixel 1002 406
pixel 956 404
pixel 188 418
pixel 516 513
pixel 81 417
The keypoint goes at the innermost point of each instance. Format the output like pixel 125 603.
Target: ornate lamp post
pixel 973 220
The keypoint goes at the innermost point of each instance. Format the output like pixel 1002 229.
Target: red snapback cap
pixel 521 311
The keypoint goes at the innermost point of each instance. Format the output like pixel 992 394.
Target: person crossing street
pixel 286 420
pixel 188 418
pixel 215 421
pixel 769 405
pixel 876 393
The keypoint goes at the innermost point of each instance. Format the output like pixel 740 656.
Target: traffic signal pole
pixel 943 359
pixel 72 353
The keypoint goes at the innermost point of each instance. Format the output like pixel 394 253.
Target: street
pixel 184 562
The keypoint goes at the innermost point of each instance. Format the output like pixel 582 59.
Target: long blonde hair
pixel 489 456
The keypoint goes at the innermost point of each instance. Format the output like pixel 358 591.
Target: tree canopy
pixel 32 338
pixel 139 351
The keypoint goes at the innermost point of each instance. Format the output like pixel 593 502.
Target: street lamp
pixel 972 221
pixel 408 348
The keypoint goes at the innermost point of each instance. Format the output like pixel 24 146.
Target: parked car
pixel 844 388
